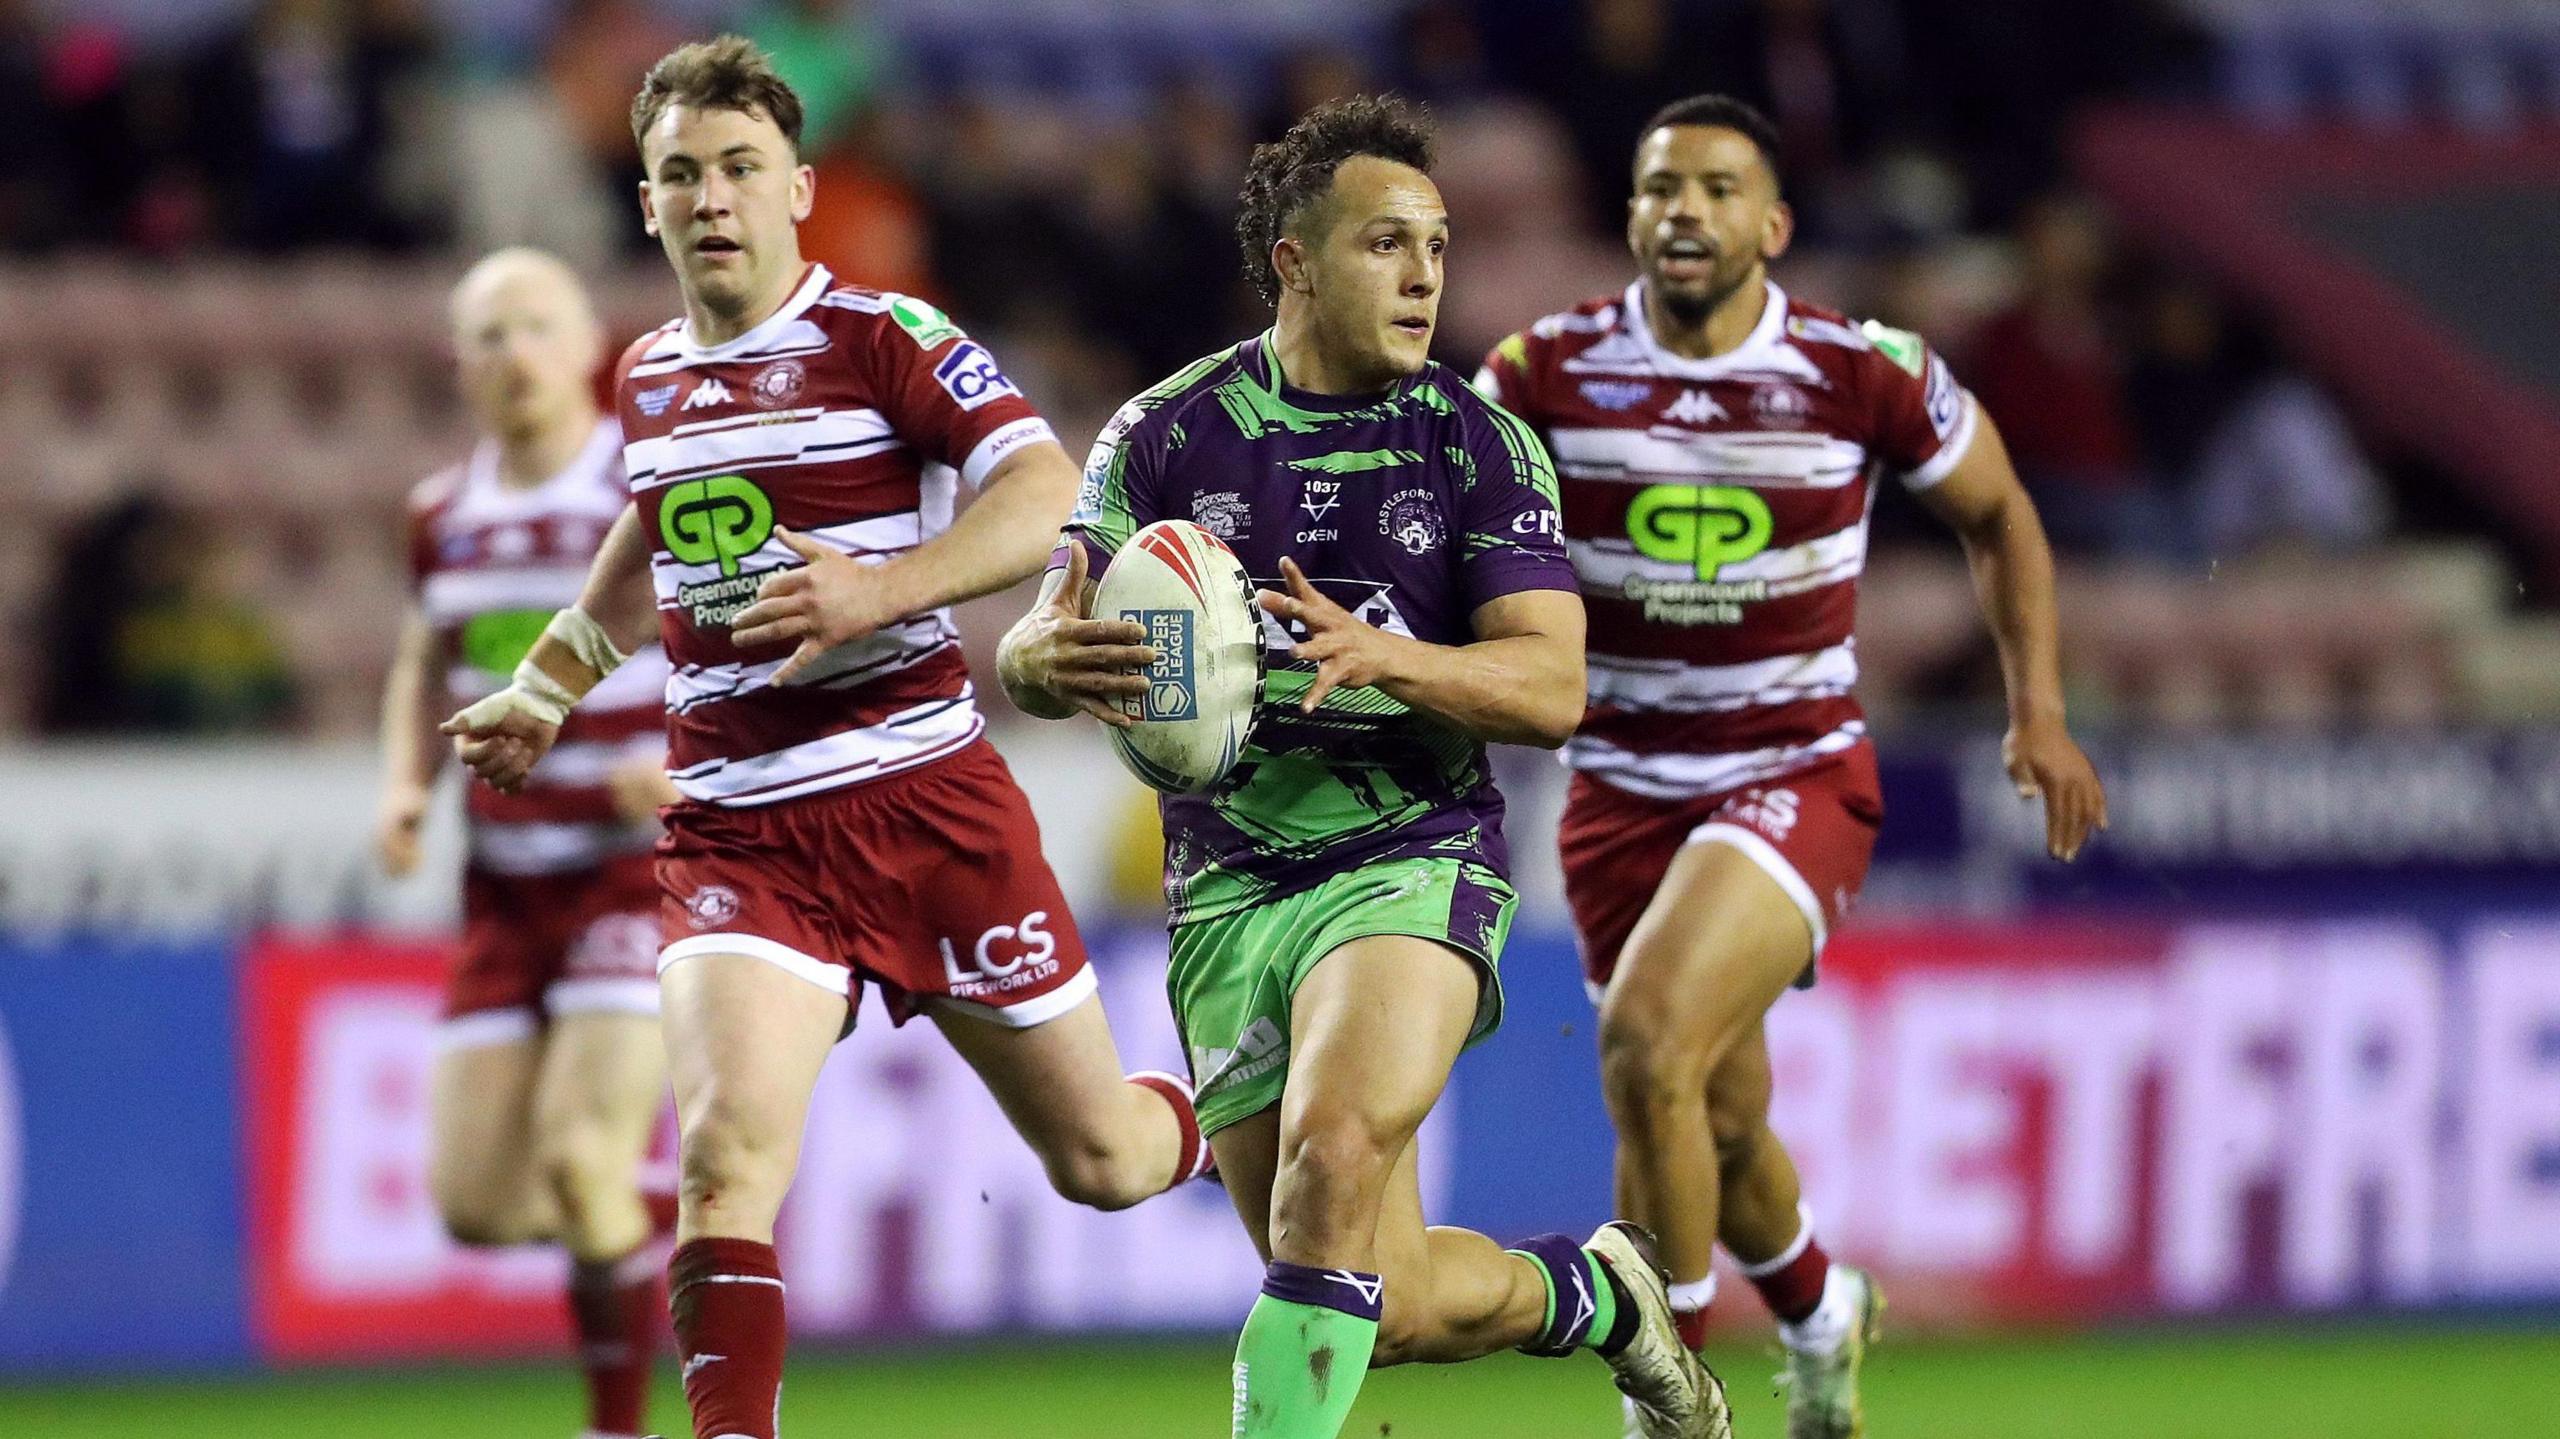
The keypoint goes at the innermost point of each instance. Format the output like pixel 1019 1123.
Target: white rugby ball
pixel 1190 593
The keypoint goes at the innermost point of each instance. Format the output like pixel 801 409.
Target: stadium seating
pixel 290 408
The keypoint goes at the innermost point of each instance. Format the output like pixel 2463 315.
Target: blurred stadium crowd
pixel 225 244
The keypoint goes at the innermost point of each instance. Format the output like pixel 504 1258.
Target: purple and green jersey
pixel 1410 509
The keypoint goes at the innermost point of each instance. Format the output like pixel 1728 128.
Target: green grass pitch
pixel 2345 1382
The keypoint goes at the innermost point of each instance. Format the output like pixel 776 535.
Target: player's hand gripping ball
pixel 1189 593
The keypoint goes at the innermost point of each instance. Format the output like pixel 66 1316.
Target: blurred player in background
pixel 1339 901
pixel 1717 442
pixel 551 1076
pixel 794 448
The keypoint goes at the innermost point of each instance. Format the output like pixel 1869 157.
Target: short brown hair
pixel 1285 178
pixel 728 73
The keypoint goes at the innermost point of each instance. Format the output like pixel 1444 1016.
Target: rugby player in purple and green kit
pixel 1339 899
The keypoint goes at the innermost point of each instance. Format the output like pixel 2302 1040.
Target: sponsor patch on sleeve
pixel 970 375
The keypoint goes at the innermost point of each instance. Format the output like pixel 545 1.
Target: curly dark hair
pixel 1286 177
pixel 729 73
pixel 1724 113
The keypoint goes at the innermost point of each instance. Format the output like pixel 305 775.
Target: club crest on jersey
pixel 653 402
pixel 1223 513
pixel 711 905
pixel 1412 519
pixel 1780 404
pixel 778 384
pixel 1694 407
pixel 705 395
pixel 1617 394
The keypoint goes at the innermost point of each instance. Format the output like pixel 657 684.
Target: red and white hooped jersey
pixel 1716 511
pixel 492 564
pixel 850 417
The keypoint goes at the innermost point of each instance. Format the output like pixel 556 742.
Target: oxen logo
pixel 719 520
pixel 1705 526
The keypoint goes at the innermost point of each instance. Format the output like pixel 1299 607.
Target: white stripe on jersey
pixel 639 684
pixel 549 847
pixel 742 443
pixel 1677 775
pixel 1685 688
pixel 1950 453
pixel 1769 459
pixel 902 741
pixel 884 652
pixel 450 597
pixel 999 444
pixel 878 535
pixel 1606 565
pixel 672 352
pixel 579 763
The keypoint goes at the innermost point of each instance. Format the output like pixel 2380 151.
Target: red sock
pixel 1792 1282
pixel 1693 1327
pixel 661 1204
pixel 1195 1158
pixel 618 1309
pixel 727 1297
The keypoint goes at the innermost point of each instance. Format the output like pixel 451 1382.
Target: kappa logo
pixel 705 395
pixel 1694 407
pixel 653 402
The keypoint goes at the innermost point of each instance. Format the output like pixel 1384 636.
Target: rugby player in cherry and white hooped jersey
pixel 550 1077
pixel 794 447
pixel 1717 442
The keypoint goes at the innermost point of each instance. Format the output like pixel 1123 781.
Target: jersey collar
pixel 1754 353
pixel 812 285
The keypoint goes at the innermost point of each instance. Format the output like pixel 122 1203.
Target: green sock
pixel 1304 1351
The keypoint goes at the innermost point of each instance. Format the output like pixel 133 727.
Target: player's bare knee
pixel 722 1162
pixel 478 1217
pixel 584 1173
pixel 1090 1171
pixel 1331 1175
pixel 1647 1066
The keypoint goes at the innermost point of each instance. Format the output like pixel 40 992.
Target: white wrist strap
pixel 538 694
pixel 586 639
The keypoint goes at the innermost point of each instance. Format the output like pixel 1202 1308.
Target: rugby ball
pixel 1189 592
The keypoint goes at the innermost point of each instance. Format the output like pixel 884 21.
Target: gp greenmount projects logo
pixel 719 521
pixel 1704 527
